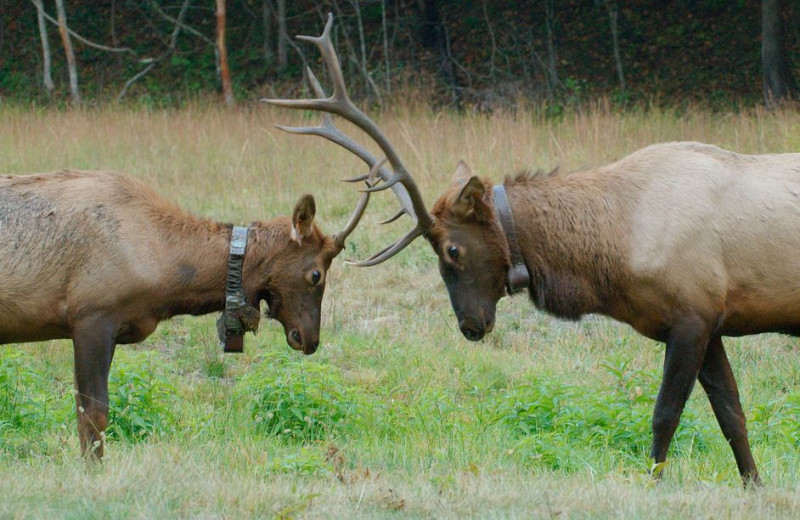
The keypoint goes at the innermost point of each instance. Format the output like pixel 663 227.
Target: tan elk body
pixel 100 258
pixel 686 242
pixel 672 227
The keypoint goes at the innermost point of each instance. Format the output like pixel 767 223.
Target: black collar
pixel 518 276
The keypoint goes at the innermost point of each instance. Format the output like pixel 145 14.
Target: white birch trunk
pixel 65 38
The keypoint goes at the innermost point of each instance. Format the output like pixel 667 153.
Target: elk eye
pixel 452 251
pixel 315 277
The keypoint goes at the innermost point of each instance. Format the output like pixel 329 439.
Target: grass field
pixel 397 415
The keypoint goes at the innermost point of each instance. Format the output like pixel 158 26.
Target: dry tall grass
pixel 234 166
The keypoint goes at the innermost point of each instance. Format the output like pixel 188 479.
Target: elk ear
pixel 469 199
pixel 461 175
pixel 303 218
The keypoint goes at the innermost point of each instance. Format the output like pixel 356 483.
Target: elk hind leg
pixel 719 383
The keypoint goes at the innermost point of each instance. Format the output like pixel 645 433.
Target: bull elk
pixel 100 258
pixel 685 242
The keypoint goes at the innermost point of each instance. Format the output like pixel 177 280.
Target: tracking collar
pixel 518 276
pixel 238 317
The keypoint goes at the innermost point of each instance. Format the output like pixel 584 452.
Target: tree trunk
pixel 613 16
pixel 113 31
pixel 47 74
pixel 283 37
pixel 368 82
pixel 434 37
pixel 224 71
pixel 779 84
pixel 266 16
pixel 65 38
pixel 492 40
pixel 552 59
pixel 387 85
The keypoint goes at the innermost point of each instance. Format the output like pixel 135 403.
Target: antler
pixel 340 103
pixel 329 131
pixel 362 202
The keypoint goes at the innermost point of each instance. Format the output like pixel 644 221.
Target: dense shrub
pixel 777 422
pixel 29 403
pixel 141 399
pixel 553 418
pixel 298 399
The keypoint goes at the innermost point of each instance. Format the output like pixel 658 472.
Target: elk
pixel 100 258
pixel 685 242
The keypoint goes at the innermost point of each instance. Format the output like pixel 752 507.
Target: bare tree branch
pixel 134 79
pixel 173 41
pixel 80 38
pixel 179 22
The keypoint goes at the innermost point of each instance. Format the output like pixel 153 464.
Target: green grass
pixel 397 415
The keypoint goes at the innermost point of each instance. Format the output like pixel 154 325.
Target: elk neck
pixel 199 261
pixel 569 236
pixel 198 266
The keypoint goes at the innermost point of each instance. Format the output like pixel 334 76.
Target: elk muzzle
pixel 474 312
pixel 475 329
pixel 474 319
pixel 305 341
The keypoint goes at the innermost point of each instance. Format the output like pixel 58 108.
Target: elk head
pixel 296 281
pixel 473 255
pixel 292 282
pixel 462 229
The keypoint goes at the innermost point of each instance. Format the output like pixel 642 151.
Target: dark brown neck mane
pixel 566 231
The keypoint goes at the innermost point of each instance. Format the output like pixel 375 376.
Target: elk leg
pixel 684 354
pixel 93 345
pixel 717 379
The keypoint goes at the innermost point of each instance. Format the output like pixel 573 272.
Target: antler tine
pixel 389 251
pixel 328 130
pixel 393 217
pixel 339 100
pixel 357 178
pixel 360 207
pixel 339 103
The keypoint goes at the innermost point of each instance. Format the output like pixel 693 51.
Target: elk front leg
pixel 684 354
pixel 717 379
pixel 93 344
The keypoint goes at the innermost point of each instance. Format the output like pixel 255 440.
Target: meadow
pixel 396 415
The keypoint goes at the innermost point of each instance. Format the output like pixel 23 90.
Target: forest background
pixel 478 55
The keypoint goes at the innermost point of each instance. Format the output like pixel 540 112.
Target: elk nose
pixel 310 347
pixel 472 331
